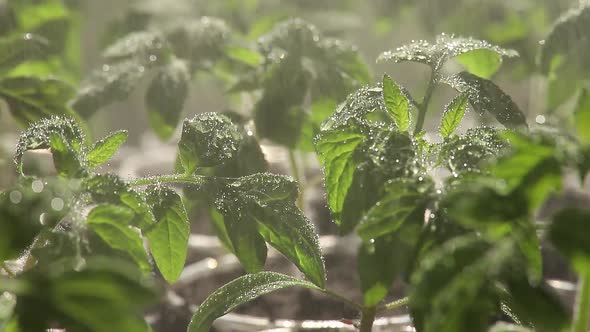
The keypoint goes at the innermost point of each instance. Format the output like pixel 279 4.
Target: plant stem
pixel 395 304
pixel 172 178
pixel 367 319
pixel 582 309
pixel 423 106
pixel 343 299
pixel 297 176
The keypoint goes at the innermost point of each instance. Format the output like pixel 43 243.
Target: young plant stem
pixel 423 106
pixel 367 319
pixel 395 304
pixel 295 172
pixel 172 178
pixel 582 308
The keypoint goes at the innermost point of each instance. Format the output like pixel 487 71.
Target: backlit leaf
pixel 103 150
pixel 487 97
pixel 168 238
pixel 582 118
pixel 238 292
pixel 453 115
pixel 396 103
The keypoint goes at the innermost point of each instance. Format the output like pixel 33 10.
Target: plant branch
pixel 423 106
pixel 395 304
pixel 367 319
pixel 582 309
pixel 172 178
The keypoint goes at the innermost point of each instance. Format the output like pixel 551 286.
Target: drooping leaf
pixel 582 118
pixel 168 238
pixel 166 95
pixel 269 200
pixel 111 222
pixel 208 139
pixel 111 83
pixel 482 62
pixel 238 292
pixel 446 47
pixel 335 151
pixel 201 41
pixel 567 234
pixel 31 98
pixel 402 199
pixel 37 136
pixel 104 149
pixel 452 116
pixel 486 97
pixel 397 104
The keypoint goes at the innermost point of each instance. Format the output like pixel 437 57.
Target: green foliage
pixel 240 291
pixel 455 218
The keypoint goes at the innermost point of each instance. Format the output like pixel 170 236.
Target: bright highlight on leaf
pixel 238 292
pixel 582 118
pixel 452 116
pixel 397 104
pixel 103 150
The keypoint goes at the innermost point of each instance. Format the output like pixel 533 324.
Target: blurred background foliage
pixel 73 35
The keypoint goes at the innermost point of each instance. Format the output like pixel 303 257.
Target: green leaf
pixel 37 136
pixel 482 62
pixel 238 292
pixel 466 153
pixel 567 233
pixel 103 150
pixel 396 103
pixel 20 48
pixel 486 97
pixel 139 45
pixel 401 200
pixel 111 222
pixel 244 55
pixel 452 116
pixel 199 40
pixel 166 95
pixel 208 139
pixel 383 259
pixel 80 300
pixel 335 150
pixel 565 43
pixel 538 305
pixel 452 289
pixel 445 47
pixel 168 238
pixel 65 158
pixel 582 118
pixel 114 82
pixel 31 98
pixel 269 200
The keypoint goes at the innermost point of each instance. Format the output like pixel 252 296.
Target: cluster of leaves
pixel 35 42
pixel 467 245
pixel 78 216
